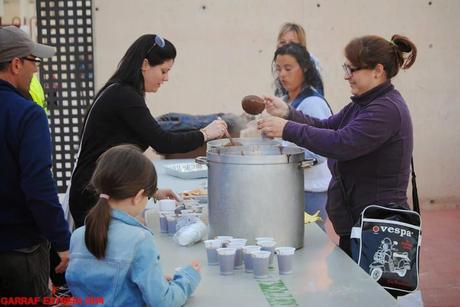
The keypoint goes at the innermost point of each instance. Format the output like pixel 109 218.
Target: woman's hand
pixel 215 130
pixel 271 126
pixel 166 194
pixel 276 107
pixel 168 278
pixel 196 265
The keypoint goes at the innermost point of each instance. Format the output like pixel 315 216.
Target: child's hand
pixel 196 265
pixel 166 194
pixel 168 277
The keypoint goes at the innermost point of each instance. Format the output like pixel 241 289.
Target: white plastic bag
pixel 191 233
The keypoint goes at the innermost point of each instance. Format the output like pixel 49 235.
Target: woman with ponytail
pixel 114 256
pixel 369 142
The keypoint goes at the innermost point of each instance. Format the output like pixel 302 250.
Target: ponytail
pixel 97 227
pixel 404 45
pixel 110 182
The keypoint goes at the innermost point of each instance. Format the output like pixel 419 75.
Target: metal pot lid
pixel 254 151
pixel 244 142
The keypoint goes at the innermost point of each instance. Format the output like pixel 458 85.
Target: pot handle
pixel 201 160
pixel 308 163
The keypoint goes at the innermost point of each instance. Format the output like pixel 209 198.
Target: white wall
pixel 225 48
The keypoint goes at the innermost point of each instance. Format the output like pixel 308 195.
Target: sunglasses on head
pixel 157 41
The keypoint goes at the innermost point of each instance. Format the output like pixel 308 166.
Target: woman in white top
pixel 296 72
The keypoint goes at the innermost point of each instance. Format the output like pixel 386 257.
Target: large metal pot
pixel 256 190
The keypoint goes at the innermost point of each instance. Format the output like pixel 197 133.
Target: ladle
pixel 232 141
pixel 252 104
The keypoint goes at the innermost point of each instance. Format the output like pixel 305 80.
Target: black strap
pixel 344 192
pixel 414 188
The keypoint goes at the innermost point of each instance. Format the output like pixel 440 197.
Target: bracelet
pixel 205 135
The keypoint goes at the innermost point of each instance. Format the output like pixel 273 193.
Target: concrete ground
pixel 440 257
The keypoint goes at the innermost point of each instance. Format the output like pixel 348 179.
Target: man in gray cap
pixel 30 213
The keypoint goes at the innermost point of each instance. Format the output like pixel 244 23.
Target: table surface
pixel 322 275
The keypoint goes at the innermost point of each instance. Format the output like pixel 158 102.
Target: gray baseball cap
pixel 15 43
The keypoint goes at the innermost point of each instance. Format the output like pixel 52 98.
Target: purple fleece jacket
pixel 368 145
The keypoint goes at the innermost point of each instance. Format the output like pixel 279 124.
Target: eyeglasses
pixel 158 41
pixel 37 61
pixel 350 70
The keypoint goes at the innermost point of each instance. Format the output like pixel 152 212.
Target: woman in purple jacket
pixel 369 142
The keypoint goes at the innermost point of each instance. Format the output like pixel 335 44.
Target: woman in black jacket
pixel 119 115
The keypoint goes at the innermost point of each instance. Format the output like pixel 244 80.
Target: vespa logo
pixel 391 229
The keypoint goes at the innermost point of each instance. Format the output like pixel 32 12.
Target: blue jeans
pixel 314 201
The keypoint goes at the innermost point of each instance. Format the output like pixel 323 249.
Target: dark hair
pixel 121 172
pixel 302 56
pixel 370 50
pixel 4 66
pixel 129 69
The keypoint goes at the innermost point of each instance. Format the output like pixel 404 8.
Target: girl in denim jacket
pixel 114 257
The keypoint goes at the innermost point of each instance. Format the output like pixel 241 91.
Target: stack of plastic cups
pixel 238 244
pixel 226 256
pixel 211 251
pixel 166 207
pixel 172 223
pixel 268 245
pixel 247 256
pixel 163 222
pixel 285 255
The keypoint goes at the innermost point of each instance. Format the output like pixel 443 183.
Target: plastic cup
pixel 238 245
pixel 285 256
pixel 163 223
pixel 264 239
pixel 225 239
pixel 226 256
pixel 211 251
pixel 268 246
pixel 239 241
pixel 260 263
pixel 172 223
pixel 167 204
pixel 247 256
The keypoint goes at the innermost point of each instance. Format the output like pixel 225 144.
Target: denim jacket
pixel 130 274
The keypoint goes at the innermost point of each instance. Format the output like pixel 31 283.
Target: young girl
pixel 114 256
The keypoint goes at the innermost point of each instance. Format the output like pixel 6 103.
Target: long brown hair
pixel 368 51
pixel 121 172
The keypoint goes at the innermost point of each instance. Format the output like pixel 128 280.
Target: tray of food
pixel 190 170
pixel 199 194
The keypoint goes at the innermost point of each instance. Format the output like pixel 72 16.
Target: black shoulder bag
pixel 385 242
